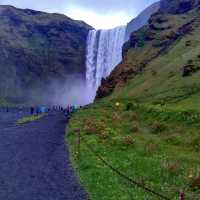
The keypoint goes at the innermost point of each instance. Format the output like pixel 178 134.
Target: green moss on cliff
pixel 36 47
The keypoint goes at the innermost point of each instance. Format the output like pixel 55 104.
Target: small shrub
pixel 158 127
pixel 179 129
pixel 172 139
pixel 172 167
pixel 188 43
pixel 141 42
pixel 116 117
pixel 90 130
pixel 195 183
pixel 129 106
pixel 189 70
pixel 134 116
pixel 88 122
pixel 151 148
pixel 91 127
pixel 76 130
pixel 103 135
pixel 135 129
pixel 190 61
pixel 195 143
pixel 128 141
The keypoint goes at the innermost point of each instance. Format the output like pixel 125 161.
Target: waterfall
pixel 104 53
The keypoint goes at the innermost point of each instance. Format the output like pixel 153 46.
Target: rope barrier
pixel 124 176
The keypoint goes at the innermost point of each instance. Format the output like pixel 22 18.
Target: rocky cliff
pixel 37 47
pixel 163 32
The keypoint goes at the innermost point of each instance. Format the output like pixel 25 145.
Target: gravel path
pixel 34 161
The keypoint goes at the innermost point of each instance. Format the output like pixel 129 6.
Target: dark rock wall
pixel 37 47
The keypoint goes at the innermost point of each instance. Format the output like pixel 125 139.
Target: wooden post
pixel 182 195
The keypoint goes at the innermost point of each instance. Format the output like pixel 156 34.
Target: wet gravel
pixel 34 161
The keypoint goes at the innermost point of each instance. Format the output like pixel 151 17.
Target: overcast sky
pixel 98 13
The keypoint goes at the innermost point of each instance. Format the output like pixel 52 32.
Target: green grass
pixel 165 159
pixel 31 118
pixel 156 141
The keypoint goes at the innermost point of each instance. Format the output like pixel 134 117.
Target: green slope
pixel 162 79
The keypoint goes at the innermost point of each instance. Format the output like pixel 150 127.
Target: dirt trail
pixel 34 161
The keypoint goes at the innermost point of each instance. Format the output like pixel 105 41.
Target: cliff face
pixel 164 31
pixel 178 6
pixel 36 47
pixel 141 19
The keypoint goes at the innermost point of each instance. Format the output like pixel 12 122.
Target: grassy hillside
pixel 162 80
pixel 157 147
pixel 148 124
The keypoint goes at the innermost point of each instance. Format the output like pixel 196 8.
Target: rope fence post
pixel 182 195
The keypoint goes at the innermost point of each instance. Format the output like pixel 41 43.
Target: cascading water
pixel 104 53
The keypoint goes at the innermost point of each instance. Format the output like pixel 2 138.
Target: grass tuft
pixel 31 118
pixel 158 127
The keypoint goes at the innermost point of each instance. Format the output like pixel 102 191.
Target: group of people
pixel 12 109
pixel 42 109
pixel 36 110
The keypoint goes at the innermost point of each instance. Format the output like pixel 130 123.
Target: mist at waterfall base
pixel 72 91
pixel 104 53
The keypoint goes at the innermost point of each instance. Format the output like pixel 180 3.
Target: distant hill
pixel 36 47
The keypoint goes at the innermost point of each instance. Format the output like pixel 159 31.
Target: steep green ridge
pixel 147 124
pixel 172 78
pixel 37 48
